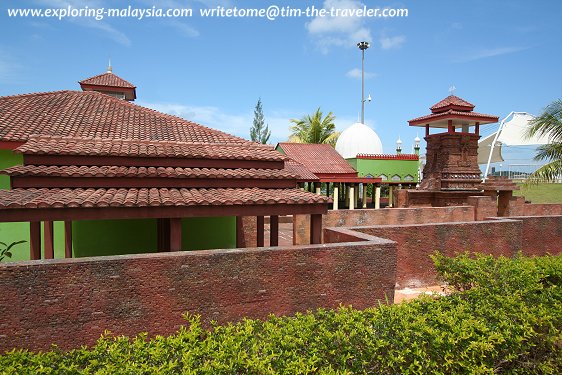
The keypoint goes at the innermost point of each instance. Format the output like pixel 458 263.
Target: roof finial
pixel 452 90
pixel 109 68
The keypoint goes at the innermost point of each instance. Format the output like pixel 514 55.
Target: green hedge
pixel 504 316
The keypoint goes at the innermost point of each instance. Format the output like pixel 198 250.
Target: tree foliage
pixel 6 249
pixel 260 131
pixel 548 124
pixel 314 128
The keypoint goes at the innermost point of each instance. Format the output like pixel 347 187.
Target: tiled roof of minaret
pixel 452 101
pixel 107 79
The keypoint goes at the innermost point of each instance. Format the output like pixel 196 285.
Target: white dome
pixel 358 139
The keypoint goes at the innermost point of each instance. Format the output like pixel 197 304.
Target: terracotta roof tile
pixel 88 198
pixel 300 171
pixel 149 172
pixel 107 79
pixel 317 158
pixel 44 145
pixel 91 114
pixel 454 101
pixel 451 112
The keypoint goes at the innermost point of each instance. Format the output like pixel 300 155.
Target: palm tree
pixel 314 129
pixel 548 124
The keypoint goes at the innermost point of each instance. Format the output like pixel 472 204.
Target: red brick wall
pixel 71 302
pixel 529 209
pixel 385 216
pixel 417 242
pixel 484 207
pixel 541 235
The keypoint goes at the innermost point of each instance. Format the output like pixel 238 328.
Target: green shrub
pixel 504 317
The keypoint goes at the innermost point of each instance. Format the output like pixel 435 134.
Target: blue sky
pixel 502 56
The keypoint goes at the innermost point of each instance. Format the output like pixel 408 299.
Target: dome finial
pixel 109 68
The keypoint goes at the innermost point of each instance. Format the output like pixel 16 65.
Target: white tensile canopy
pixel 511 132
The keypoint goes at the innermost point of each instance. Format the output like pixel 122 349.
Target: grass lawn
pixel 541 193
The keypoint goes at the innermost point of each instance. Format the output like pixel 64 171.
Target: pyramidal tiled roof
pixel 91 114
pixel 107 79
pixel 452 100
pixel 87 149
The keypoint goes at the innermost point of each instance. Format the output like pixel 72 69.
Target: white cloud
pixel 486 52
pixel 392 42
pixel 340 31
pixel 356 73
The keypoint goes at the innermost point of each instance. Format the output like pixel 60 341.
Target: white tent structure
pixel 511 132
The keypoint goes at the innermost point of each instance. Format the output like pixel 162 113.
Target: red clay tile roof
pixel 317 158
pixel 86 198
pixel 168 172
pixel 44 145
pixel 452 100
pixel 107 79
pixel 301 172
pixel 91 114
pixel 453 113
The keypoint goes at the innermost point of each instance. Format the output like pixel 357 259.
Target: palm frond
pixel 549 172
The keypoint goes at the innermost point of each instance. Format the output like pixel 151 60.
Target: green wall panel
pixel 202 233
pixel 113 237
pixel 389 168
pixel 8 159
pixel 137 236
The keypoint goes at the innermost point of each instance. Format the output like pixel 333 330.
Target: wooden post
pixel 477 128
pixel 240 238
pixel 260 231
pixel 175 234
pixel 390 191
pixel 68 239
pixel 48 238
pixel 427 130
pixel 315 229
pixel 364 195
pixel 35 240
pixel 274 230
pixel 336 197
pixel 351 197
pixel 163 234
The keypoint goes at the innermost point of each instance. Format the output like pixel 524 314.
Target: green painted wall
pixel 138 236
pixel 201 233
pixel 389 168
pixel 8 159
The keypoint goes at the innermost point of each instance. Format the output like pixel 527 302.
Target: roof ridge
pixel 41 93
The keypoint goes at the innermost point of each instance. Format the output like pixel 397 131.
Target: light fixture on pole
pixel 363 46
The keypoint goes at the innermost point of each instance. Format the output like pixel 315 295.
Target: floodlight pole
pixel 363 46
